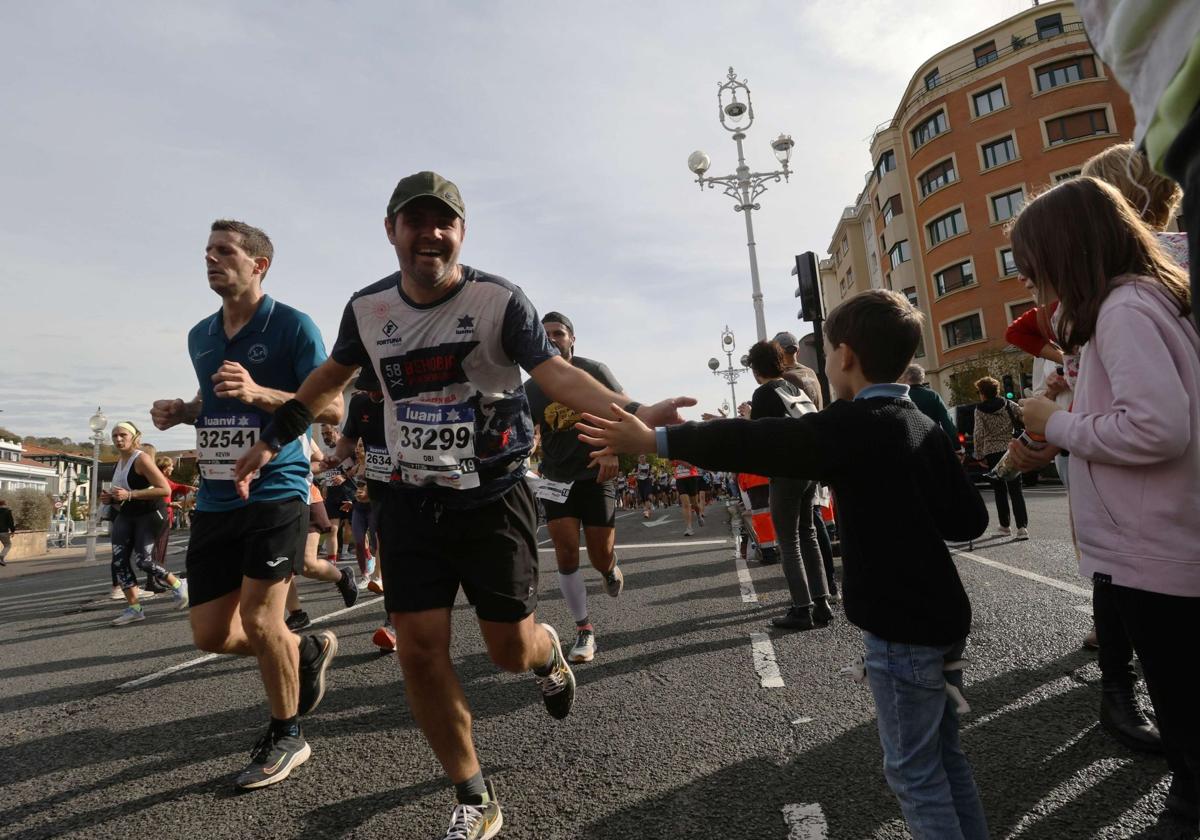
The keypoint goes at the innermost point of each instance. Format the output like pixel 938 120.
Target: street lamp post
pixel 730 374
pixel 743 186
pixel 97 422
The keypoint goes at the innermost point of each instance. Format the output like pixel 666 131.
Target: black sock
pixel 472 791
pixel 309 650
pixel 544 670
pixel 289 727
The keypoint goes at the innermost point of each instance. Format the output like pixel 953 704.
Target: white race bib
pixel 435 444
pixel 223 438
pixel 553 491
pixel 379 463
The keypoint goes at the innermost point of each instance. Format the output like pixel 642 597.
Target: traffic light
pixel 1009 387
pixel 809 283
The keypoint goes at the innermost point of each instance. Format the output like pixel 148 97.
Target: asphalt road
pixel 674 733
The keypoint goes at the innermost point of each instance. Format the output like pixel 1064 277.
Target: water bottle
pixel 1005 470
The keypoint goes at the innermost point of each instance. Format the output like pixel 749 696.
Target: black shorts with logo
pixel 594 505
pixel 428 551
pixel 262 541
pixel 687 486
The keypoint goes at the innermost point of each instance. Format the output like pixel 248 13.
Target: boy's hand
pixel 625 434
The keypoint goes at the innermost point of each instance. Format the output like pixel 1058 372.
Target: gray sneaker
pixel 128 616
pixel 476 822
pixel 272 760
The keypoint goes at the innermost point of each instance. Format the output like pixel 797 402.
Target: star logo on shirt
pixel 466 325
pixel 453 416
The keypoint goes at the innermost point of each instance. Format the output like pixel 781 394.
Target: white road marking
pixel 805 821
pixel 1086 609
pixel 654 523
pixel 209 657
pixel 764 661
pixel 657 545
pixel 749 596
pixel 1004 567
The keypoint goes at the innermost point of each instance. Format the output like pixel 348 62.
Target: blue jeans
pixel 918 728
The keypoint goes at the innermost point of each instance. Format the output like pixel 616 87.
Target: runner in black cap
pixel 447 343
pixel 574 491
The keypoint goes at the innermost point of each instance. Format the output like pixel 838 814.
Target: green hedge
pixel 32 509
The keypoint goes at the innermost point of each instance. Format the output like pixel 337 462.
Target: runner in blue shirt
pixel 250 357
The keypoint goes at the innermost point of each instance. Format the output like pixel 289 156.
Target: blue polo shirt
pixel 279 347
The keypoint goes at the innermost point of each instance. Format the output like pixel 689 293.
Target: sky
pixel 130 126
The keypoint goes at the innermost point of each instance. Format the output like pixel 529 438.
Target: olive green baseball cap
pixel 426 184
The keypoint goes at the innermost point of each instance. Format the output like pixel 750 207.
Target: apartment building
pixel 983 125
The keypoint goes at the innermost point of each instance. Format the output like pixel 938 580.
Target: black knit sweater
pixel 900 493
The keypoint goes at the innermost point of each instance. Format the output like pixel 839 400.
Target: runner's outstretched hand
pixel 625 434
pixel 248 466
pixel 664 412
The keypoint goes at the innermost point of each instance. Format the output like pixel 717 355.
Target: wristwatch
pixel 632 406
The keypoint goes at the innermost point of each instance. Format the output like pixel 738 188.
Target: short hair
pixel 163 461
pixel 255 242
pixel 881 327
pixel 987 387
pixel 766 359
pixel 1153 197
pixel 914 374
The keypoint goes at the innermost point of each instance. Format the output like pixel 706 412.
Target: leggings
pixel 133 538
pixel 360 523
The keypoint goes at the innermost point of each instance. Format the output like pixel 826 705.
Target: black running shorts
pixel 428 551
pixel 263 541
pixel 594 505
pixel 318 520
pixel 645 490
pixel 687 486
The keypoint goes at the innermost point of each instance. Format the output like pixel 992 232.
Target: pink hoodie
pixel 1134 438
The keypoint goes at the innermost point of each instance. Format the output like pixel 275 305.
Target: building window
pixel 990 100
pixel 929 129
pixel 1049 26
pixel 1008 266
pixel 911 294
pixel 1016 310
pixel 986 54
pixel 1064 72
pixel 931 79
pixel 1063 176
pixel 936 177
pixel 900 253
pixel 943 227
pixel 892 209
pixel 1006 206
pixel 886 163
pixel 998 152
pixel 1075 126
pixel 963 330
pixel 954 277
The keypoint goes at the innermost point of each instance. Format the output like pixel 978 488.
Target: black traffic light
pixel 809 282
pixel 1009 387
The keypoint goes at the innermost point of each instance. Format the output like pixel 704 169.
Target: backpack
pixel 796 405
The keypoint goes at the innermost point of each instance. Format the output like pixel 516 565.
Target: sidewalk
pixel 57 559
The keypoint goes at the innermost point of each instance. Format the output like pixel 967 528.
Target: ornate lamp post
pixel 730 374
pixel 743 186
pixel 96 422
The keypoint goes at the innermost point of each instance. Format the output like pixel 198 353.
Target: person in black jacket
pixel 901 493
pixel 7 528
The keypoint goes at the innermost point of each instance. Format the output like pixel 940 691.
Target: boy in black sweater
pixel 901 492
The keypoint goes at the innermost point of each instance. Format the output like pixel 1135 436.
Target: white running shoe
pixel 1022 533
pixel 1003 531
pixel 180 595
pixel 585 647
pixel 688 532
pixel 128 616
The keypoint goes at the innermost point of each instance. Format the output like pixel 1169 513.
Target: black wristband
pixel 291 420
pixel 632 406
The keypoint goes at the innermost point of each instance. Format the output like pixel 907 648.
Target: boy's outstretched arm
pixel 775 446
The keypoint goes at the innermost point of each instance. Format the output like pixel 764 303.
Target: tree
pixel 994 363
pixel 32 509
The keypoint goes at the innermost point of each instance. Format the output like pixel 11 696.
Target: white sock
pixel 574 593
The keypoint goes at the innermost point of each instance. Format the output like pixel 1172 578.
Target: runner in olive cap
pixel 448 343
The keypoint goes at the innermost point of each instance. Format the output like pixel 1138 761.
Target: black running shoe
pixel 558 687
pixel 297 621
pixel 312 675
pixel 272 760
pixel 796 618
pixel 348 587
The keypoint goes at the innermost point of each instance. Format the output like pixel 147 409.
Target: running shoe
pixel 585 647
pixel 384 639
pixel 700 516
pixel 687 532
pixel 370 567
pixel 1022 533
pixel 558 687
pixel 476 822
pixel 645 514
pixel 272 760
pixel 180 595
pixel 347 587
pixel 128 616
pixel 118 594
pixel 614 580
pixel 312 676
pixel 297 621
pixel 375 586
